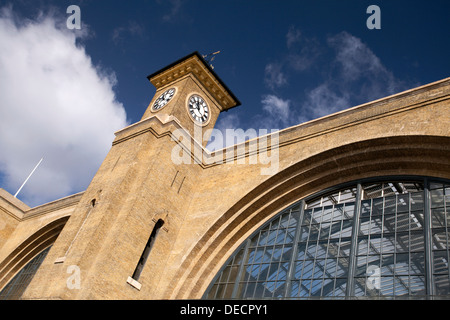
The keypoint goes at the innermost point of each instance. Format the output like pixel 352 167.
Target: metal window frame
pixel 351 272
pixel 19 283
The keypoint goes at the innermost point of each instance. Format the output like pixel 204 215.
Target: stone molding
pixel 193 65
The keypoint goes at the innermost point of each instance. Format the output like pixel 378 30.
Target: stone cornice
pixel 11 205
pixel 20 211
pixel 195 65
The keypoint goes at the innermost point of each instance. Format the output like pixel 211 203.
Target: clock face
pixel 198 109
pixel 163 99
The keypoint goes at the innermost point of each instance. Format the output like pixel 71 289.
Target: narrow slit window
pixel 147 249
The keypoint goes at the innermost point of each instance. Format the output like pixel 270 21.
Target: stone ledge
pixel 134 283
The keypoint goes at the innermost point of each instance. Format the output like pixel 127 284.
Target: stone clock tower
pixel 190 91
pixel 138 195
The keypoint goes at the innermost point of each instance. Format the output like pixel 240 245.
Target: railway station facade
pixel 352 205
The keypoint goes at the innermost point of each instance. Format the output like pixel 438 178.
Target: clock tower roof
pixel 196 65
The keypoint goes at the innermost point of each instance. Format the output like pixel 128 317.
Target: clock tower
pixel 136 204
pixel 190 91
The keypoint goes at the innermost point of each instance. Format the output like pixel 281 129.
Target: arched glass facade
pixel 17 286
pixel 372 239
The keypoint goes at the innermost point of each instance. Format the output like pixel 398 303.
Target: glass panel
pixel 390 252
pixel 17 286
pixel 321 261
pixel 437 198
pixel 390 243
pixel 441 285
pixel 440 262
pixel 333 198
pixel 417 285
pixel 440 237
pixel 265 272
pixel 438 217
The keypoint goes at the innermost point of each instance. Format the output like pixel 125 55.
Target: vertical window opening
pixel 147 249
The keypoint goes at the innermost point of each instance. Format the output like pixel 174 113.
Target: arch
pixel 390 156
pixel 370 237
pixel 28 249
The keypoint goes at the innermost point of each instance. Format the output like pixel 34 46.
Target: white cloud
pixel 324 100
pixel 301 55
pixel 54 104
pixel 302 51
pixel 120 33
pixel 274 77
pixel 293 36
pixel 354 76
pixel 278 110
pixel 175 7
pixel 346 73
pixel 356 61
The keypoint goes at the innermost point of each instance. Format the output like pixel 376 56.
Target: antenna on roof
pixel 210 58
pixel 15 196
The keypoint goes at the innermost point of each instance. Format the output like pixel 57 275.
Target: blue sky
pixel 66 91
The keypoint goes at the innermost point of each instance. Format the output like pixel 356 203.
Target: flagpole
pixel 15 196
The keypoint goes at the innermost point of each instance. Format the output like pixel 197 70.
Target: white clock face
pixel 163 99
pixel 198 109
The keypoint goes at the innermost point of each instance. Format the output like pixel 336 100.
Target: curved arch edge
pixel 393 156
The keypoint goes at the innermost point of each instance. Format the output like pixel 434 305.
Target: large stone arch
pixel 29 248
pixel 389 156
